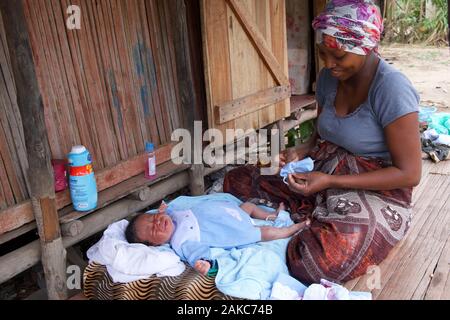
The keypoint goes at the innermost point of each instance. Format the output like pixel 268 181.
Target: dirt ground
pixel 428 68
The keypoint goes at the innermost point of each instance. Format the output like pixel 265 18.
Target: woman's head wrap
pixel 353 25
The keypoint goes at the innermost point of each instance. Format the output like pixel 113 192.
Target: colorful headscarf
pixel 353 25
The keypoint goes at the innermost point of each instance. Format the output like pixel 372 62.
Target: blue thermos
pixel 83 188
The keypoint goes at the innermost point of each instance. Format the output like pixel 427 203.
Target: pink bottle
pixel 150 162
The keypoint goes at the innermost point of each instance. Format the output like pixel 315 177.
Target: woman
pixel 367 159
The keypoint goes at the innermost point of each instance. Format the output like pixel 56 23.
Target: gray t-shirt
pixel 390 97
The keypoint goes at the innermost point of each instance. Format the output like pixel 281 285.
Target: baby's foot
pixel 281 207
pixel 273 217
pixel 202 266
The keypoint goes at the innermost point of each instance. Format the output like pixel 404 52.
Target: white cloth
pixel 288 288
pixel 443 139
pixel 327 290
pixel 127 262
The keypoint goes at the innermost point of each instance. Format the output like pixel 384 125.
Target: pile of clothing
pixel 436 145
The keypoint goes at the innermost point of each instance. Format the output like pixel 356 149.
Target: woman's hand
pixel 202 266
pixel 308 184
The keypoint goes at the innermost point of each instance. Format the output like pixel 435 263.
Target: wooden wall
pixel 110 85
pixel 13 160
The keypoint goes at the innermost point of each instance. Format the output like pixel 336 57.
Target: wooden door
pixel 246 64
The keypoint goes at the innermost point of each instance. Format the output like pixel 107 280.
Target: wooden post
pixel 318 7
pixel 448 21
pixel 40 173
pixel 186 86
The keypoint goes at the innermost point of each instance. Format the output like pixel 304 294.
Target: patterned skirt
pixel 351 230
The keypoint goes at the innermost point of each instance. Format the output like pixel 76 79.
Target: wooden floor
pixel 418 267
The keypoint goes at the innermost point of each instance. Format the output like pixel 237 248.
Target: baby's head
pixel 150 229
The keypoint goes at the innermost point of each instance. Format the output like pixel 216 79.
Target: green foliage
pixel 300 134
pixel 407 21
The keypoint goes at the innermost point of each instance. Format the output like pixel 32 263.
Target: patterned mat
pixel 190 285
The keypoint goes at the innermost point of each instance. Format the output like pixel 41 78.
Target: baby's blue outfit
pixel 305 165
pixel 218 224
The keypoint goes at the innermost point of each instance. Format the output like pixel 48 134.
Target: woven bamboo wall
pixel 13 162
pixel 110 86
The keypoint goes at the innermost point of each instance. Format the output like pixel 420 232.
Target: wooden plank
pixel 259 42
pixel 263 20
pixel 175 109
pixel 97 91
pixel 155 35
pixel 279 48
pixel 108 72
pixel 9 173
pixel 411 280
pixel 44 72
pixel 68 119
pixel 442 168
pixel 143 95
pixel 399 277
pixel 127 36
pixel 217 58
pixel 439 288
pixel 8 194
pixel 304 116
pixel 12 127
pixel 245 65
pixel 85 111
pixel 318 7
pixel 169 108
pixel 77 99
pixel 123 86
pixel 299 102
pixel 186 86
pixel 59 109
pixel 240 107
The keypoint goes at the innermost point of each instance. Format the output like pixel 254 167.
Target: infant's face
pixel 156 229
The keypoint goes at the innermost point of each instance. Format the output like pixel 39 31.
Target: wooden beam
pixel 16 216
pixel 448 21
pixel 40 173
pixel 318 7
pixel 186 87
pixel 240 107
pixel 258 41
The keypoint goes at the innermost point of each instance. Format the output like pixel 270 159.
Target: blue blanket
pixel 246 272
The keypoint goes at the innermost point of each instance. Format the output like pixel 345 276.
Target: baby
pixel 219 224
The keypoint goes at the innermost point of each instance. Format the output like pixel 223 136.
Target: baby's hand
pixel 162 208
pixel 202 266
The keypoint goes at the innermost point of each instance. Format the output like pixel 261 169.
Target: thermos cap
pixel 78 149
pixel 149 147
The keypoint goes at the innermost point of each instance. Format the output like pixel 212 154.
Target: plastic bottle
pixel 150 164
pixel 83 188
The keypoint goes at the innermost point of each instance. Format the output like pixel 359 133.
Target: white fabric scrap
pixel 127 262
